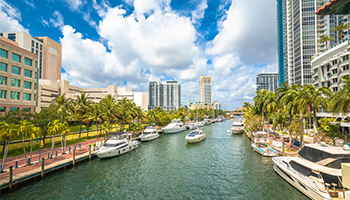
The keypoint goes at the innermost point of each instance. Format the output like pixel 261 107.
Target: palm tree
pixel 96 115
pixel 34 133
pixel 82 103
pixel 63 105
pixel 53 128
pixel 340 28
pixel 325 39
pixel 106 127
pixel 109 108
pixel 24 129
pixel 328 129
pixel 341 100
pixel 7 132
pixel 123 113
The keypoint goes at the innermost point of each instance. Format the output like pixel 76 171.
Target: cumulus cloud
pixel 198 14
pixel 249 31
pixel 10 18
pixel 57 21
pixel 74 4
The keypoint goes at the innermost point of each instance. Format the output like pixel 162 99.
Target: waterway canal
pixel 220 167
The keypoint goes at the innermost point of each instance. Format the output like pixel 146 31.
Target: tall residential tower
pixel 164 95
pixel 205 90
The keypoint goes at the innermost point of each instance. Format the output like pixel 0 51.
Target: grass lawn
pixel 17 148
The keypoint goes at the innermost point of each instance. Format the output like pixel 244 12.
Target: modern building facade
pixel 48 90
pixel 18 77
pixel 164 95
pixel 299 31
pixel 48 51
pixel 217 105
pixel 205 90
pixel 201 106
pixel 331 66
pixel 267 81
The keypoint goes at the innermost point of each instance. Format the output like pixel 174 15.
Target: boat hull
pixel 112 153
pixel 149 137
pixel 195 139
pixel 268 152
pixel 174 130
pixel 237 131
pixel 299 184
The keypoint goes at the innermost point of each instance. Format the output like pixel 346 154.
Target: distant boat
pixel 117 144
pixel 175 126
pixel 150 133
pixel 237 127
pixel 207 121
pixel 261 144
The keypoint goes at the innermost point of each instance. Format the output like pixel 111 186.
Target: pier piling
pixel 79 146
pixel 28 162
pixel 75 147
pixel 42 167
pixel 90 152
pixel 69 149
pixel 73 157
pixel 16 165
pixel 56 153
pixel 10 177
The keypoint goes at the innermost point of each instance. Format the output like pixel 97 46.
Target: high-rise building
pixel 267 81
pixel 164 95
pixel 18 77
pixel 48 51
pixel 205 90
pixel 217 105
pixel 299 31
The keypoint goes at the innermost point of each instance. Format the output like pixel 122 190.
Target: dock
pixel 21 172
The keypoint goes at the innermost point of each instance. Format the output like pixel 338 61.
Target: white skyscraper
pixel 164 95
pixel 205 90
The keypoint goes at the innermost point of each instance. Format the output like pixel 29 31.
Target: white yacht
pixel 150 133
pixel 174 127
pixel 195 136
pixel 316 172
pixel 237 127
pixel 191 126
pixel 261 145
pixel 117 144
pixel 207 121
pixel 199 123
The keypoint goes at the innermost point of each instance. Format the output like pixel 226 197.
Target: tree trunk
pixel 268 123
pixel 62 141
pixel 87 131
pixel 315 122
pixel 24 148
pixel 3 149
pixel 263 118
pixel 97 131
pixel 53 145
pixel 81 124
pixel 5 154
pixel 31 150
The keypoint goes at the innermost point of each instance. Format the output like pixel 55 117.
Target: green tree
pixel 341 100
pixel 325 39
pixel 34 133
pixel 54 128
pixel 24 129
pixel 82 104
pixel 329 129
pixel 63 105
pixel 95 115
pixel 7 132
pixel 340 29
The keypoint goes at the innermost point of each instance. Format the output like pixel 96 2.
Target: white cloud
pixel 10 18
pixel 74 4
pixel 30 3
pixel 57 21
pixel 198 14
pixel 248 31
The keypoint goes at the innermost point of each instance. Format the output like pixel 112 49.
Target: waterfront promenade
pixel 25 172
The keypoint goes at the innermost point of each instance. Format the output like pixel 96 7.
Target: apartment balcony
pixel 321 24
pixel 315 75
pixel 321 19
pixel 344 73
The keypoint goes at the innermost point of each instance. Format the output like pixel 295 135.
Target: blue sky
pixel 131 42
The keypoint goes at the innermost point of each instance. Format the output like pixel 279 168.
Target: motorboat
pixel 316 172
pixel 150 133
pixel 117 144
pixel 229 132
pixel 191 126
pixel 237 127
pixel 175 126
pixel 206 121
pixel 261 144
pixel 199 123
pixel 195 136
pixel 213 120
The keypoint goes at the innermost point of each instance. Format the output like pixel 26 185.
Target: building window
pixel 2 94
pixel 3 53
pixel 26 109
pixel 27 85
pixel 3 67
pixel 12 36
pixel 35 75
pixel 27 96
pixel 36 52
pixel 32 43
pixel 34 85
pixel 2 109
pixel 16 70
pixel 28 61
pixel 37 45
pixel 32 50
pixel 16 57
pixel 27 73
pixel 41 47
pixel 15 82
pixel 15 95
pixel 14 108
pixel 3 80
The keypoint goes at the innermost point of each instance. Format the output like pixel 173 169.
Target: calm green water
pixel 220 167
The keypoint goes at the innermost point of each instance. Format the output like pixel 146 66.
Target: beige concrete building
pixel 205 107
pixel 205 90
pixel 48 51
pixel 18 77
pixel 49 90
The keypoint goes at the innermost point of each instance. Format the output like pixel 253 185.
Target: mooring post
pixel 1 167
pixel 75 147
pixel 73 157
pixel 16 166
pixel 56 153
pixel 10 177
pixel 42 167
pixel 90 152
pixel 48 155
pixel 69 148
pixel 28 161
pixel 79 146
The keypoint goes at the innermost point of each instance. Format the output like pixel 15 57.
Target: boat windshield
pixel 150 127
pixel 113 144
pixel 316 155
pixel 192 134
pixel 238 126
